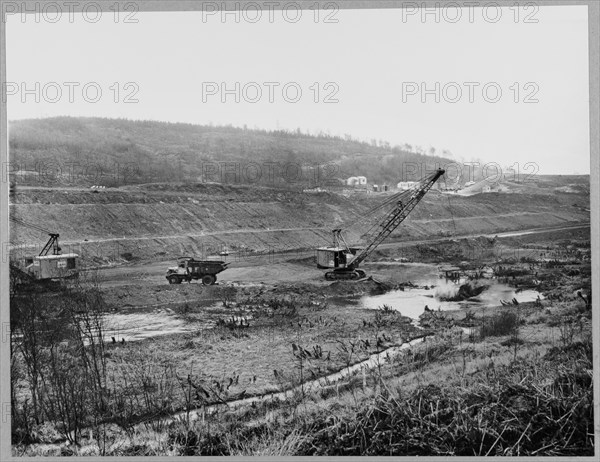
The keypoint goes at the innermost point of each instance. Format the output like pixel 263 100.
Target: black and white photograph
pixel 299 228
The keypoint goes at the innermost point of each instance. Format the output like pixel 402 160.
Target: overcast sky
pixel 370 64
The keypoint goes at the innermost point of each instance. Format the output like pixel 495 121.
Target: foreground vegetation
pixel 523 389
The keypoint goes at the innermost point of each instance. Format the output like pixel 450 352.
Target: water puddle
pixel 134 327
pixel 140 325
pixel 412 301
pixel 431 292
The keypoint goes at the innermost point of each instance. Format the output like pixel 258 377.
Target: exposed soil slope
pixel 149 221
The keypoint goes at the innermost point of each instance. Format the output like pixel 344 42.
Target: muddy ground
pixel 268 327
pixel 245 325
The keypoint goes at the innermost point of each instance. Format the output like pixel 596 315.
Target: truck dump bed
pixel 206 266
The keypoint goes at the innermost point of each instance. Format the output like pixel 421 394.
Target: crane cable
pixel 359 218
pixel 449 205
pixel 399 196
pixel 377 223
pixel 393 199
pixel 29 225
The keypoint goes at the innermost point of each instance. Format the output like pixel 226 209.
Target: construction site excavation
pixel 395 315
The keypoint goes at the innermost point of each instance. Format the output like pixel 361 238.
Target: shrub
pixel 522 411
pixel 504 323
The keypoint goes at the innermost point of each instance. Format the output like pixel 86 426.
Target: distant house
pixel 483 186
pixel 356 181
pixel 404 185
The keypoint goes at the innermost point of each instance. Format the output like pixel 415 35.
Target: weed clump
pixel 504 323
pixel 513 413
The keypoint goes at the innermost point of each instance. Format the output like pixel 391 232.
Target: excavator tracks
pixel 345 275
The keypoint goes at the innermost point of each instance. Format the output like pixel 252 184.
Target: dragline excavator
pixel 51 263
pixel 344 260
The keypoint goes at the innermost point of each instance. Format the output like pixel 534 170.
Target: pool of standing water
pixel 411 302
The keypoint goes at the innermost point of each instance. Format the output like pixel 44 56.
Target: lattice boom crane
pixel 344 260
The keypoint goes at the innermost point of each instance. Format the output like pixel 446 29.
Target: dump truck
pixel 188 269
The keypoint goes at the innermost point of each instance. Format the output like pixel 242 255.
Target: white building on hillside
pixel 356 181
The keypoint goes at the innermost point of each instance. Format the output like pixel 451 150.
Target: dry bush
pixel 519 412
pixel 503 323
pixel 58 339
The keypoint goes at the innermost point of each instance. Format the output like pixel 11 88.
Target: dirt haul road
pixel 282 267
